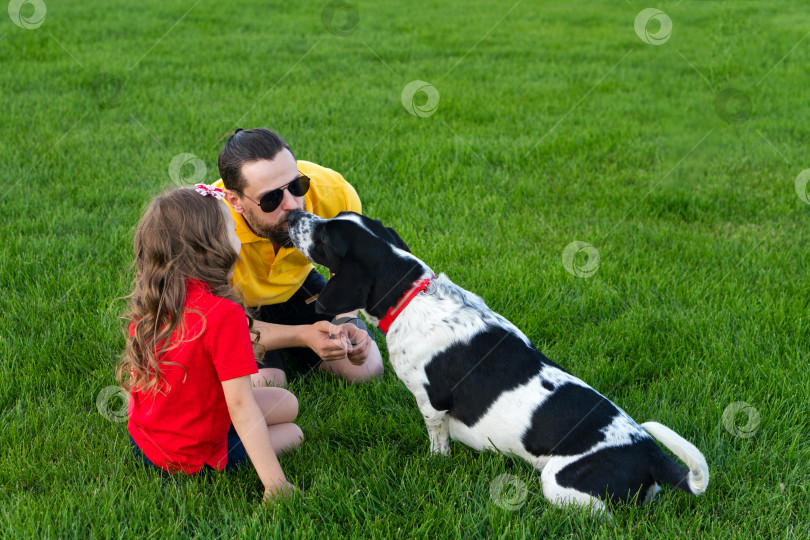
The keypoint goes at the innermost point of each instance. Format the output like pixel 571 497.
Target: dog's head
pixel 372 266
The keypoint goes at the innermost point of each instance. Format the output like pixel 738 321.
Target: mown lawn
pixel 678 163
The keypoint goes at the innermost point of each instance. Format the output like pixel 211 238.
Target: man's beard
pixel 278 234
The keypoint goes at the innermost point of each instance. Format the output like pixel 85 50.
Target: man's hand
pixel 329 341
pixel 360 341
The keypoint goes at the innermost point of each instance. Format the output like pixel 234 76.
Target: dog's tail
pixel 694 480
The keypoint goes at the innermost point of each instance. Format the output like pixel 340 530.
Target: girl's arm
pixel 251 427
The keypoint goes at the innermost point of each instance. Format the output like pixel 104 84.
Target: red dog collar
pixel 393 312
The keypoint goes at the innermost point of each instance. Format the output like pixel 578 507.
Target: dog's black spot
pixel 387 234
pixel 466 378
pixel 617 473
pixel 548 385
pixel 569 422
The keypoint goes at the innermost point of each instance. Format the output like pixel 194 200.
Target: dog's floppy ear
pixel 346 291
pixel 399 241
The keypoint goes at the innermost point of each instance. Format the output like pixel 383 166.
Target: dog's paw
pixel 440 449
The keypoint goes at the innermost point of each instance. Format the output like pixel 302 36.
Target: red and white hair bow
pixel 205 189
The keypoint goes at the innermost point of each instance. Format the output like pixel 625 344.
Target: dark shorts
pixel 295 311
pixel 237 455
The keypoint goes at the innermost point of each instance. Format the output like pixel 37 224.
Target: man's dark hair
pixel 245 146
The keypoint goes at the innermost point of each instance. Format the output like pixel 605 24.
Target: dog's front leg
pixel 438 425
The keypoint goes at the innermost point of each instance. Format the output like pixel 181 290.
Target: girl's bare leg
pixel 278 405
pixel 269 377
pixel 279 408
pixel 285 437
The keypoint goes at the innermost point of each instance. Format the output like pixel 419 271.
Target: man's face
pixel 262 177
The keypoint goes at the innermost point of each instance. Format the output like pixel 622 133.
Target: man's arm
pixel 314 336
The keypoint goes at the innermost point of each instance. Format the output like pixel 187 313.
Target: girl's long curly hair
pixel 181 235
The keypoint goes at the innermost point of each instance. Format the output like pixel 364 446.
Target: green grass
pixel 555 123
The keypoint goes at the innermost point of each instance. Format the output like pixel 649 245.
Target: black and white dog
pixel 479 380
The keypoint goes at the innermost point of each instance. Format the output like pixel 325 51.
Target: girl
pixel 189 355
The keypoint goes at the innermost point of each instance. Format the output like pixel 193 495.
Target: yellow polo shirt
pixel 265 277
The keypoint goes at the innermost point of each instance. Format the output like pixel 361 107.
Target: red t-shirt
pixel 186 427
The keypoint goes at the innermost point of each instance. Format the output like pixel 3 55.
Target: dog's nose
pixel 295 215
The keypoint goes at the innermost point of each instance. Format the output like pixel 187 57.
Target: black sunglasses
pixel 271 199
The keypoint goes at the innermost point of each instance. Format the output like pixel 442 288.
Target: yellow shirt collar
pixel 247 236
pixel 243 230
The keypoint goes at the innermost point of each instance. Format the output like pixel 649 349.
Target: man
pixel 263 183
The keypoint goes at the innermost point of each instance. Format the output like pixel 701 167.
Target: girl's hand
pixel 283 489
